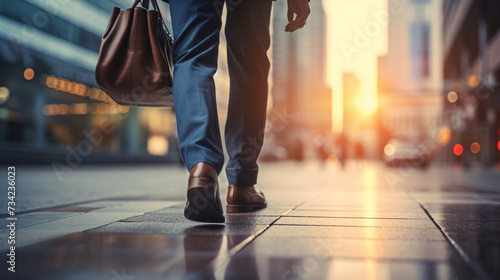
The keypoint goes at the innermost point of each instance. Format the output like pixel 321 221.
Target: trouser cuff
pixel 242 177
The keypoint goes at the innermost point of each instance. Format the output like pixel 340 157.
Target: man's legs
pixel 248 39
pixel 196 27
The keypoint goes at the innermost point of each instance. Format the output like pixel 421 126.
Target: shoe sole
pixel 244 208
pixel 200 207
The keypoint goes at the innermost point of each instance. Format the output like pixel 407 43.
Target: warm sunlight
pixel 357 34
pixel 367 105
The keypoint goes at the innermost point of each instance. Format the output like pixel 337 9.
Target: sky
pixel 356 35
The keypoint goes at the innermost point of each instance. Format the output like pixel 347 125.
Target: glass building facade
pixel 50 105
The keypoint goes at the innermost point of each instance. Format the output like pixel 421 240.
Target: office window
pixel 30 15
pixel 417 2
pixel 420 49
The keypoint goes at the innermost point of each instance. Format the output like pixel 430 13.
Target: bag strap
pixel 156 7
pixel 145 4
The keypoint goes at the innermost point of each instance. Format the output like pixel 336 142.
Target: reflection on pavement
pixel 320 224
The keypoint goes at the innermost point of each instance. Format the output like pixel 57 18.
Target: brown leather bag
pixel 135 64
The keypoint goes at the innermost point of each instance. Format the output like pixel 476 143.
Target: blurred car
pixel 399 151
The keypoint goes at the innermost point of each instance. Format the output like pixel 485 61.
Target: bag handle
pixel 145 4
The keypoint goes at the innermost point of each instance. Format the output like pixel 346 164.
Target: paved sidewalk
pixel 365 222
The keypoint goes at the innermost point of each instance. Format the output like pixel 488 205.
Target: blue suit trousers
pixel 196 25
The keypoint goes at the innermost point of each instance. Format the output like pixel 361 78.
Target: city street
pixel 366 221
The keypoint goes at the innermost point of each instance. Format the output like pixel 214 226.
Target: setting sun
pixel 359 18
pixel 367 104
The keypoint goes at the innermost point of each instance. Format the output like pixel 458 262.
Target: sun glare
pixel 367 104
pixel 344 18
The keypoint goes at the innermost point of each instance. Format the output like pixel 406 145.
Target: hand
pixel 301 9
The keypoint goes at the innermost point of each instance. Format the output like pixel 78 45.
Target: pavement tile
pixel 146 254
pixel 468 225
pixel 485 216
pixel 479 240
pixel 450 185
pixel 52 229
pixel 179 228
pixel 175 207
pixel 29 219
pixel 360 207
pixel 431 195
pixel 363 202
pixel 105 203
pixel 355 233
pixel 139 206
pixel 458 201
pixel 348 222
pixel 73 209
pixel 483 251
pixel 179 218
pixel 346 199
pixel 162 218
pixel 269 268
pixel 463 209
pixel 352 248
pixel 268 211
pixel 489 235
pixel 276 205
pixel 414 215
pixel 245 218
pixel 76 223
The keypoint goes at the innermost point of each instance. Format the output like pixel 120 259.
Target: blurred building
pixel 301 99
pixel 472 78
pixel 51 108
pixel 351 86
pixel 410 75
pixel 359 133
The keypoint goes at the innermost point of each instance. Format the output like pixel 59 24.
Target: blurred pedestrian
pixel 321 149
pixel 359 150
pixel 196 25
pixel 343 143
pixel 299 150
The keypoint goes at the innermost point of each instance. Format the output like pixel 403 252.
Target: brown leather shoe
pixel 244 199
pixel 203 200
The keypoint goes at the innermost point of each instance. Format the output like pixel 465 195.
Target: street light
pixel 29 74
pixel 452 97
pixel 4 94
pixel 458 149
pixel 475 147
